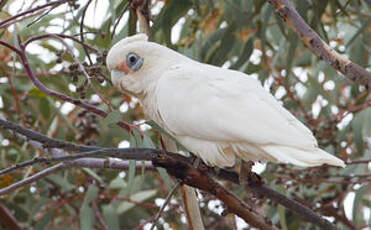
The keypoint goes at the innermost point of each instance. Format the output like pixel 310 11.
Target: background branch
pixel 53 3
pixel 314 42
pixel 43 88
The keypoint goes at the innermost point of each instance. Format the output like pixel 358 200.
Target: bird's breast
pixel 151 110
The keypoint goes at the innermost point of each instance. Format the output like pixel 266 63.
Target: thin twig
pixel 58 2
pixel 16 97
pixel 119 19
pixel 45 140
pixel 17 51
pixel 33 178
pixel 82 69
pixel 145 154
pixel 79 163
pixel 56 94
pixel 82 30
pixel 99 215
pixel 62 36
pixel 167 200
pixel 41 16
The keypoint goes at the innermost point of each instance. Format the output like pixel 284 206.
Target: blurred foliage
pixel 244 35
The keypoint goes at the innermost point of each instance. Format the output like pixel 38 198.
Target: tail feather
pixel 302 157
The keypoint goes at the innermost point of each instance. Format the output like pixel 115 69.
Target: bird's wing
pixel 215 104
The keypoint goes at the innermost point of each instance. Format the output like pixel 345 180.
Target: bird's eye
pixel 134 61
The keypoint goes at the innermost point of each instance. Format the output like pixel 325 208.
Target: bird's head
pixel 136 64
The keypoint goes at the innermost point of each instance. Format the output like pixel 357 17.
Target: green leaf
pixel 62 182
pixel 293 42
pixel 169 15
pixel 313 90
pixel 37 93
pixel 93 174
pixel 281 212
pixel 90 195
pixel 147 142
pixel 161 130
pixel 357 206
pixel 165 176
pixel 112 118
pixel 281 209
pixel 359 126
pixel 209 43
pixel 132 168
pixel 117 183
pixel 44 221
pixel 137 197
pixel 245 55
pixel 359 32
pixel 44 107
pixel 227 42
pixel 111 217
pixel 87 217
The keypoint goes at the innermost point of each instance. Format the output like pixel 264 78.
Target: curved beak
pixel 117 75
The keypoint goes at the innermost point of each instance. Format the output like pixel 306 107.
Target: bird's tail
pixel 302 157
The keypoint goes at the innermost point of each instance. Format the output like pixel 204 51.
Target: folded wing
pixel 214 104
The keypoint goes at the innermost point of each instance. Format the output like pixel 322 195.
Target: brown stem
pixel 58 2
pixel 314 42
pixel 62 36
pixel 82 31
pixel 99 216
pixel 8 219
pixel 43 88
pixel 201 180
pixel 10 47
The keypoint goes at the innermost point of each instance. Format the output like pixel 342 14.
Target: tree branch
pixel 119 18
pixel 10 47
pixel 200 179
pixel 167 200
pixel 7 218
pixel 43 88
pixel 82 30
pixel 58 2
pixel 314 42
pixel 180 167
pixel 33 178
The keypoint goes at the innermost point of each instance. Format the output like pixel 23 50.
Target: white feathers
pixel 218 114
pixel 115 57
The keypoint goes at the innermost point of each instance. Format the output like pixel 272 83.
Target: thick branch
pixel 351 70
pixel 201 180
pixel 180 167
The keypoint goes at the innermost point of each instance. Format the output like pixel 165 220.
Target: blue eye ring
pixel 134 61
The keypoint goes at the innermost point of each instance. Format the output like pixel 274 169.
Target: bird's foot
pixel 247 176
pixel 196 162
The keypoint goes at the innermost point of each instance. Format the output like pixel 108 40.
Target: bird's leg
pixel 195 161
pixel 246 175
pixel 198 164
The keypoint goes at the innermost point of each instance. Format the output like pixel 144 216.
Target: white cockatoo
pixel 218 114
